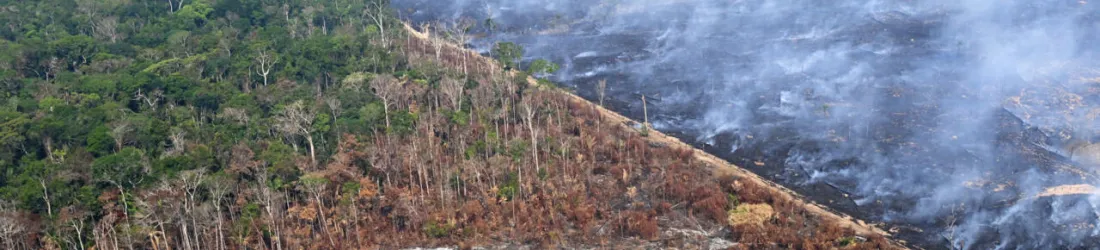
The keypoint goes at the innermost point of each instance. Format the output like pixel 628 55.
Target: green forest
pixel 259 124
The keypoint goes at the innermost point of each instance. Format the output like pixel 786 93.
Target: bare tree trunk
pixel 114 237
pixel 645 112
pixel 79 230
pixel 185 236
pixel 46 196
pixel 218 217
pixel 386 111
pixel 355 216
pixel 268 206
pixel 534 134
pixel 49 149
pixel 312 152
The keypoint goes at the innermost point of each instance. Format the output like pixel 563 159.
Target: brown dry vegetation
pixel 435 146
pixel 529 165
pixel 597 181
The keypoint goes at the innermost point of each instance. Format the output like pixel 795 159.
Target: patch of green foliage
pixel 733 200
pixel 509 54
pixel 508 189
pixel 438 230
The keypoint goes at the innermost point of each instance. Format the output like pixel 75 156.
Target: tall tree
pixel 388 89
pixel 454 90
pixel 297 119
pixel 108 28
pixel 265 61
pixel 530 109
pixel 218 186
pixel 509 54
pixel 601 90
pixel 541 68
pixel 458 32
pixel 379 13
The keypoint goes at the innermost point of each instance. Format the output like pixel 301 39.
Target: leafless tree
pixel 240 116
pixel 377 12
pixel 297 119
pixel 218 186
pixel 388 89
pixel 530 108
pixel 226 44
pixel 454 90
pixel 119 131
pixel 316 185
pixel 334 107
pixel 180 40
pixel 108 28
pixel 307 15
pixel 951 222
pixel 379 154
pixel 265 62
pixel 190 182
pixel 601 90
pixel 76 221
pixel 271 205
pixel 179 141
pixel 46 193
pixel 90 9
pixel 52 67
pixel 10 228
pixel 458 32
pixel 645 113
pixel 178 5
pixel 437 41
pixel 152 99
pixel 482 98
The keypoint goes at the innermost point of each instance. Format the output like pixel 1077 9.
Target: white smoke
pixel 900 103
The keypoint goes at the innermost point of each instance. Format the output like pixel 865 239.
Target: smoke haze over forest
pixel 939 115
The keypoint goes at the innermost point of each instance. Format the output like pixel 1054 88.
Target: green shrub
pixel 457 117
pixel 734 200
pixel 438 230
pixel 510 187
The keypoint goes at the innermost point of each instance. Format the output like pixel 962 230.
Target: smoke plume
pixel 945 119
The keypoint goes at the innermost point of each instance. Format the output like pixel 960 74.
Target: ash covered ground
pixel 958 124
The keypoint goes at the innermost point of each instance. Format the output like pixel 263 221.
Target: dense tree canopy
pixel 106 96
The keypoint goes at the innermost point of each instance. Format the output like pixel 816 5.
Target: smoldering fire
pixel 940 115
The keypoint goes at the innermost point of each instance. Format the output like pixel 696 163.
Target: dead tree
pixel 218 186
pixel 529 117
pixel 315 186
pixel 645 113
pixel 108 28
pixel 119 131
pixel 152 99
pixel 271 206
pixel 458 32
pixel 453 89
pixel 334 107
pixel 190 182
pixel 601 90
pixel 266 61
pixel 297 119
pixel 10 229
pixel 377 12
pixel 388 89
pixel 179 142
